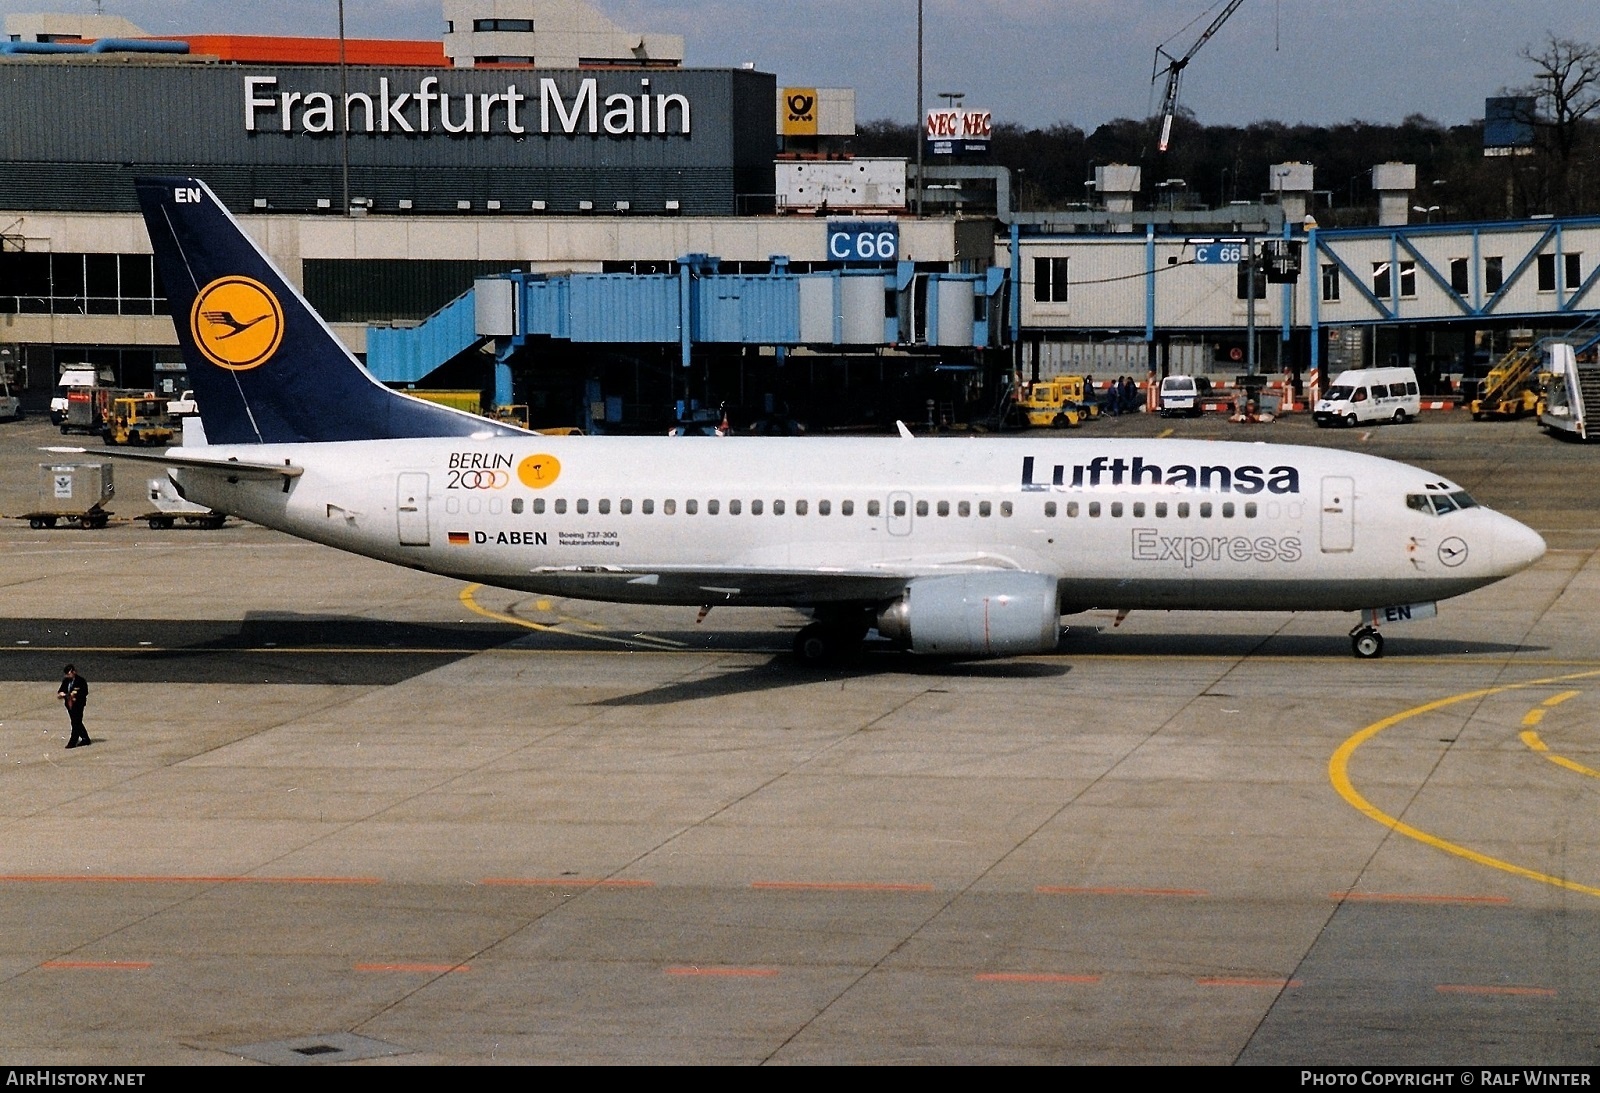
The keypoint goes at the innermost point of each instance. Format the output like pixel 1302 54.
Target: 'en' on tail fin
pixel 264 367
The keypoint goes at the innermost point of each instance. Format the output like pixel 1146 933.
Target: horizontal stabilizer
pixel 232 468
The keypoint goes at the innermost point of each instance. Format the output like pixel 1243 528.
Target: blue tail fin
pixel 264 367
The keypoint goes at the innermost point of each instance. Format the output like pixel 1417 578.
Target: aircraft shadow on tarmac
pixel 262 648
pixel 781 672
pixel 1100 641
pixel 286 648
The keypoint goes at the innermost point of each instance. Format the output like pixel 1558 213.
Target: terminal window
pixel 79 284
pixel 1330 283
pixel 1547 273
pixel 1458 276
pixel 1383 285
pixel 1050 280
pixel 1572 268
pixel 1493 277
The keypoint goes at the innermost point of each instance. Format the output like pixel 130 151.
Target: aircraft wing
pixel 751 585
pixel 230 468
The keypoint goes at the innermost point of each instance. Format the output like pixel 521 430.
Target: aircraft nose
pixel 1516 546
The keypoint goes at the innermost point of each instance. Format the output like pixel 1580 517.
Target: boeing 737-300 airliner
pixel 961 547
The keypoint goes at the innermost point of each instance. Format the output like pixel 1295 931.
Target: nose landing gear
pixel 1366 642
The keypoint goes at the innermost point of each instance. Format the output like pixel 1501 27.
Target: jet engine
pixel 998 613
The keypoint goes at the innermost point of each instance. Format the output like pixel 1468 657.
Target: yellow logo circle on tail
pixel 236 322
pixel 538 471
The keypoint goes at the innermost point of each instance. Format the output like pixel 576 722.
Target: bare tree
pixel 1566 92
pixel 1566 86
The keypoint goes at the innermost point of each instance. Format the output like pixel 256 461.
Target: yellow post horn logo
pixel 236 322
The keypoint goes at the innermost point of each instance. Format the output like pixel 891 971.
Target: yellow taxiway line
pixel 1339 775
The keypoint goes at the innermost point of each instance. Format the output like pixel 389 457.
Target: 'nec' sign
pixel 863 241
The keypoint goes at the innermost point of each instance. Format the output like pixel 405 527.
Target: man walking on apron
pixel 74 693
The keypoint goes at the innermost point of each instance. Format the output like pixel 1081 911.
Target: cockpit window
pixel 1440 503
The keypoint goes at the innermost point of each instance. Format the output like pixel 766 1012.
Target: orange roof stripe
pixel 269 49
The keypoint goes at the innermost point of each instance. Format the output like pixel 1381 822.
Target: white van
pixel 1370 394
pixel 1178 395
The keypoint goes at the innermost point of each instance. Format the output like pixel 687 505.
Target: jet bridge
pixel 697 304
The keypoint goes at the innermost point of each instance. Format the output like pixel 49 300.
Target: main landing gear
pixel 1366 642
pixel 834 639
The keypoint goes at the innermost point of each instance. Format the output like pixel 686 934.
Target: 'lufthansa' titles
pixel 1102 471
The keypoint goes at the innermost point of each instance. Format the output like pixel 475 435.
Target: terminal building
pixel 672 234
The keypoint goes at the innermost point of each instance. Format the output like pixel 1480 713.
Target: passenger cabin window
pixel 561 506
pixel 538 506
pixel 848 508
pixel 691 507
pixel 516 506
pixel 713 507
pixel 824 508
pixel 735 507
pixel 669 507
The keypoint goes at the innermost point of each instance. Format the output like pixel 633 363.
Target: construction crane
pixel 1175 67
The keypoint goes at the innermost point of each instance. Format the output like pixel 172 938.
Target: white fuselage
pixel 808 521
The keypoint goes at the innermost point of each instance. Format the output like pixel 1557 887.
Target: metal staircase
pixel 1512 386
pixel 1588 387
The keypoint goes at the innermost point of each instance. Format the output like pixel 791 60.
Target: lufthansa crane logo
pixel 236 322
pixel 538 471
pixel 1453 551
